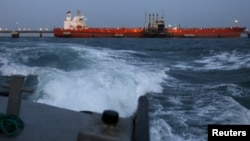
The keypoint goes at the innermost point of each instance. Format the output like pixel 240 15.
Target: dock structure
pixel 16 33
pixel 155 28
pixel 248 34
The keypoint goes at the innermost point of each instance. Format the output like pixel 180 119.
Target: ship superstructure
pixel 77 22
pixel 76 27
pixel 155 26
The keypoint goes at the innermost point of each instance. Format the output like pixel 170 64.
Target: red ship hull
pixel 228 32
pixel 99 32
pixel 77 28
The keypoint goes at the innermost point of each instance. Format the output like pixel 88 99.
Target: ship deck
pixel 48 123
pixel 44 122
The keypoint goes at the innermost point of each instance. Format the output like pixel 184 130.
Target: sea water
pixel 190 83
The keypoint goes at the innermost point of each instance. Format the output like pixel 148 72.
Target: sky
pixel 37 14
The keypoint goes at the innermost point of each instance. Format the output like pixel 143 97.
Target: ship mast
pixel 149 21
pixel 145 21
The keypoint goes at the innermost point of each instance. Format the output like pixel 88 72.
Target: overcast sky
pixel 36 14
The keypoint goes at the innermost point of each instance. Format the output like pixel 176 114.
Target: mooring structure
pixel 16 33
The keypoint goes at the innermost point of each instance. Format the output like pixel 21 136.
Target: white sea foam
pixel 161 131
pixel 226 61
pixel 164 129
pixel 110 82
pixel 185 117
pixel 234 113
pixel 221 61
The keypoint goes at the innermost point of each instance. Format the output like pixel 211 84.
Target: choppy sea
pixel 190 83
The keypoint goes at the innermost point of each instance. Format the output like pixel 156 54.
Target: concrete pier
pixel 248 34
pixel 14 34
pixel 17 34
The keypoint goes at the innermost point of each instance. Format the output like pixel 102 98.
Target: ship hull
pixel 77 28
pixel 228 32
pixel 99 32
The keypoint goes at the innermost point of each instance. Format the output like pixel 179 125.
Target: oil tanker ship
pixel 225 32
pixel 77 28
